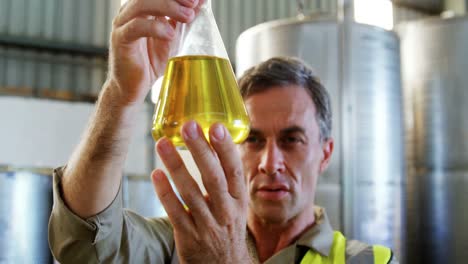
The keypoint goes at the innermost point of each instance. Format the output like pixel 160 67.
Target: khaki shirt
pixel 117 235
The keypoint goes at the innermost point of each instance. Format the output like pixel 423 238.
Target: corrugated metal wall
pixel 67 21
pixel 56 48
pixel 235 16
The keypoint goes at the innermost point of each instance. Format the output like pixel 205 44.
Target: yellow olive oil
pixel 200 88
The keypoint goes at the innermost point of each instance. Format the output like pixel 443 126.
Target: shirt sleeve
pixel 114 235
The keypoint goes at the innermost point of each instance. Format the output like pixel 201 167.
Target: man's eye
pixel 252 139
pixel 292 140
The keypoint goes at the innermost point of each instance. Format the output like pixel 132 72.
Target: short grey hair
pixel 285 71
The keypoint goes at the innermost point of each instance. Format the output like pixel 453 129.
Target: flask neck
pixel 201 36
pixel 206 4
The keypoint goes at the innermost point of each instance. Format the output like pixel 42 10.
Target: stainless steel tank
pixel 25 206
pixel 360 66
pixel 26 203
pixel 434 67
pixel 140 196
pixel 435 78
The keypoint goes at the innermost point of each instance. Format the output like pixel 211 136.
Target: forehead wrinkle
pixel 292 129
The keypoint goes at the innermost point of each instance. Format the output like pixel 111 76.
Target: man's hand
pixel 213 228
pixel 142 35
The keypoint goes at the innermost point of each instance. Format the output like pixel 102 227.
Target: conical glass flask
pixel 199 84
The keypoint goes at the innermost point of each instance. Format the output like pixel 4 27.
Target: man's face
pixel 283 155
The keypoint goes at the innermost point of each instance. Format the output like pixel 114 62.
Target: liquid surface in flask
pixel 201 88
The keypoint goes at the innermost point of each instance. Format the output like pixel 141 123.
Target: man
pixel 259 204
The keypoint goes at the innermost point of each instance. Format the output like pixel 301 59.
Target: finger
pixel 172 22
pixel 210 169
pixel 190 3
pixel 185 184
pixel 176 212
pixel 141 8
pixel 230 160
pixel 198 7
pixel 143 27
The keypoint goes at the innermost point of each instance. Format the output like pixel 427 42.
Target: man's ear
pixel 327 150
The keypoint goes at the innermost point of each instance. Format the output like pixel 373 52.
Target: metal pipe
pixel 343 56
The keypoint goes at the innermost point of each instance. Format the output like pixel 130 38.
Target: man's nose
pixel 272 159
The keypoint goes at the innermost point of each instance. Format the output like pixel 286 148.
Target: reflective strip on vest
pixel 337 255
pixel 381 254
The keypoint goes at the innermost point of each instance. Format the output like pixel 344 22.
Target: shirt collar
pixel 320 236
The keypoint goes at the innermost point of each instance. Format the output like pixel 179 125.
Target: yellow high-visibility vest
pixel 337 255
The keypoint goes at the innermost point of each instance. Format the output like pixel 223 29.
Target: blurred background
pixel 396 71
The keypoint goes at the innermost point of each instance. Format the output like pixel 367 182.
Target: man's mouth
pixel 272 192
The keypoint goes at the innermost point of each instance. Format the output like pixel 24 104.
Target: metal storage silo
pixel 25 206
pixel 360 66
pixel 434 66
